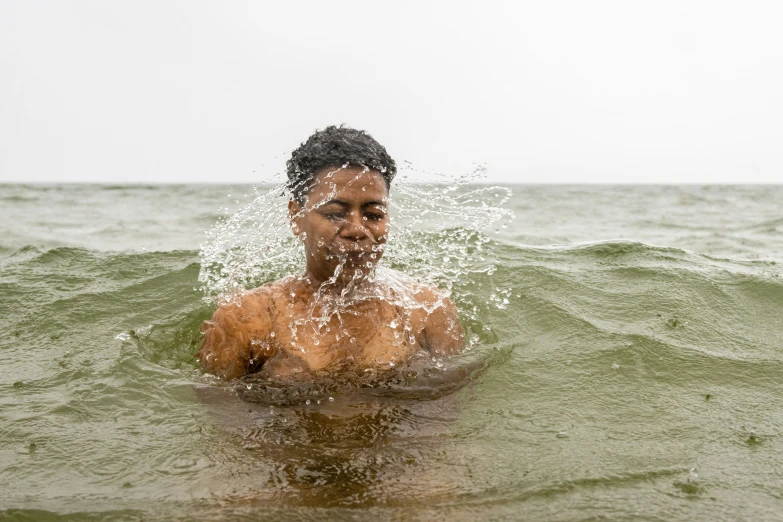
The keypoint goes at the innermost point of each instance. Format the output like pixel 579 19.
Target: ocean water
pixel 635 371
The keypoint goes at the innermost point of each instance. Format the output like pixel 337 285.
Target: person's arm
pixel 236 338
pixel 443 334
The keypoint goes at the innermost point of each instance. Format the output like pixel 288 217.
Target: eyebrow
pixel 347 204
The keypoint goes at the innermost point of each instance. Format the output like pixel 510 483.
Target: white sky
pixel 582 91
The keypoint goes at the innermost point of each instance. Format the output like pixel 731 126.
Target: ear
pixel 295 211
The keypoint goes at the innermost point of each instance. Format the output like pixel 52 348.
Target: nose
pixel 353 229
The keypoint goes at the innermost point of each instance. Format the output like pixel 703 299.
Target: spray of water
pixel 438 239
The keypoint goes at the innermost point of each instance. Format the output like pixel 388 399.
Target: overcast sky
pixel 540 91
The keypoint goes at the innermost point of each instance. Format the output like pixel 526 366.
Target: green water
pixel 636 372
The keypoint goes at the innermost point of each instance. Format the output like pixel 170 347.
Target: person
pixel 344 311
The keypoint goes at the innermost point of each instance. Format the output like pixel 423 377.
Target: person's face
pixel 344 222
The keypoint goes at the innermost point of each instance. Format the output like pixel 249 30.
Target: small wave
pixel 24 253
pixel 517 492
pixel 688 301
pixel 113 188
pixel 15 198
pixel 610 248
pixel 66 253
pixel 764 226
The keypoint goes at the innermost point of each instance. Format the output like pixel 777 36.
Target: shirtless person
pixel 339 313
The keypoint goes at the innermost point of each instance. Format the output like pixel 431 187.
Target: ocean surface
pixel 626 364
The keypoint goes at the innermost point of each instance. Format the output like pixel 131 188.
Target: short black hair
pixel 334 147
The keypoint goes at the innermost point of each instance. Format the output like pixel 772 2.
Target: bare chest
pixel 370 334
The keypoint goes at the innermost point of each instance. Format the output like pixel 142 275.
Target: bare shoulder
pixel 442 330
pixel 430 296
pixel 249 311
pixel 230 347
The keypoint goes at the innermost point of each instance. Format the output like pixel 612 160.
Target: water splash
pixel 439 238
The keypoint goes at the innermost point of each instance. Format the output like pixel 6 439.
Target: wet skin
pixel 344 224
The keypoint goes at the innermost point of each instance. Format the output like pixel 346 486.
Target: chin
pixel 355 272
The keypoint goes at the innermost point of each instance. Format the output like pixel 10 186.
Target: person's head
pixel 332 148
pixel 339 182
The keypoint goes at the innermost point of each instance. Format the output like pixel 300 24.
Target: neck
pixel 316 281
